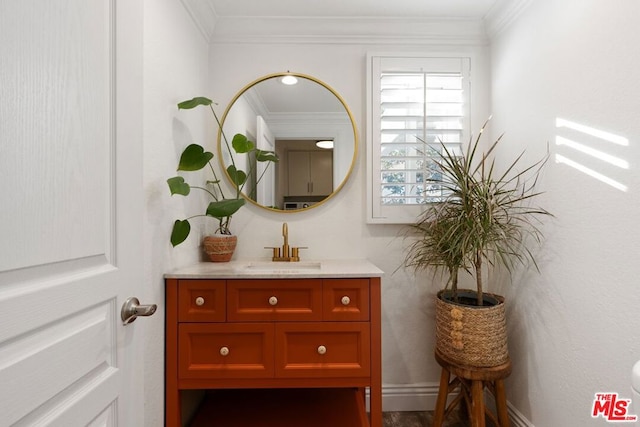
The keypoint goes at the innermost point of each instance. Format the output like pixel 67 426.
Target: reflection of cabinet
pixel 310 173
pixel 313 333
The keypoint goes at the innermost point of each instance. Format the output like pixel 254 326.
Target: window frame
pixel 437 62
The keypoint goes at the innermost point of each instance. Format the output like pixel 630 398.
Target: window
pixel 414 106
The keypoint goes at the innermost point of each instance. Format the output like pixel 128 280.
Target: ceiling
pixel 477 9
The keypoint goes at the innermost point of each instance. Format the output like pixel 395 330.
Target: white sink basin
pixel 268 266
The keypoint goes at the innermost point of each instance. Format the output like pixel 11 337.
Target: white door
pixel 70 212
pixel 267 185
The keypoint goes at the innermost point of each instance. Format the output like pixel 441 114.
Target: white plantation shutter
pixel 416 103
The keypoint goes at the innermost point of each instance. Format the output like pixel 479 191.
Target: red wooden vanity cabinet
pixel 313 338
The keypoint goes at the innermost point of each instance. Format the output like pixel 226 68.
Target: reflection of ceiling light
pixel 289 80
pixel 327 143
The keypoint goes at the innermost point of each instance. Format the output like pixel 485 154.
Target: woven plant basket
pixel 220 247
pixel 470 335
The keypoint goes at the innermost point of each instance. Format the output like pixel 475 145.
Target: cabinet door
pixel 310 173
pixel 327 350
pixel 218 350
pixel 201 301
pixel 299 181
pixel 274 300
pixel 321 172
pixel 346 299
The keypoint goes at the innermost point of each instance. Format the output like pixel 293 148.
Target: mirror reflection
pixel 309 127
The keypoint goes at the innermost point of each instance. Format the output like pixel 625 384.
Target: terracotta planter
pixel 220 247
pixel 470 335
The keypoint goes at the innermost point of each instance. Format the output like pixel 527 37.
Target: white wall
pixel 575 328
pixel 175 69
pixel 337 229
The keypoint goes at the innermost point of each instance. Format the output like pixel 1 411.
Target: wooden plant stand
pixel 471 382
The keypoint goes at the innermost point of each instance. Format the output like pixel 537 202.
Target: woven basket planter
pixel 470 335
pixel 220 247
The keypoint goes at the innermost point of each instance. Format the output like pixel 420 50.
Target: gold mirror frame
pixel 336 188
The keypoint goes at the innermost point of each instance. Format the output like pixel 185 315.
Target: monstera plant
pixel 195 158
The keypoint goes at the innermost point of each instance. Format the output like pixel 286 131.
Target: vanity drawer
pixel 225 350
pixel 346 299
pixel 274 300
pixel 201 301
pixel 327 349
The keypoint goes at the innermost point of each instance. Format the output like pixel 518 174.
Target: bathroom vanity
pixel 275 343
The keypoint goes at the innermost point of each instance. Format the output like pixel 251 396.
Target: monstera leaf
pixel 180 232
pixel 194 158
pixel 224 208
pixel 193 103
pixel 241 144
pixel 266 156
pixel 237 176
pixel 178 186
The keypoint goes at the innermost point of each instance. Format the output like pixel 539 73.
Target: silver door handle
pixel 132 308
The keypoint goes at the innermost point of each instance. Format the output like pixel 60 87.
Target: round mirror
pixel 310 128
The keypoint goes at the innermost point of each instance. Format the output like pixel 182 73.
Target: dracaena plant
pixel 485 216
pixel 194 158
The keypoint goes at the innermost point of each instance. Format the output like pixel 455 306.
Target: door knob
pixel 132 308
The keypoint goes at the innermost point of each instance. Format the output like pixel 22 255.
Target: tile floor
pixel 421 419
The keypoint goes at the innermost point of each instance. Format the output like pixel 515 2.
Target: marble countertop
pixel 268 269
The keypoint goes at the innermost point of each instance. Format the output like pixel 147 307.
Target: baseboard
pixel 419 397
pixel 422 397
pixel 408 397
pixel 515 417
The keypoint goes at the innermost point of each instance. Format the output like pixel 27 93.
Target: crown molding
pixel 332 30
pixel 502 14
pixel 203 15
pixel 348 30
pixel 353 30
pixel 373 39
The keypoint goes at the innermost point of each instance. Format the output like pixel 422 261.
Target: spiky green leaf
pixel 485 216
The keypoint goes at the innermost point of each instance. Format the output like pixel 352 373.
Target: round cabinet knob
pixel 345 300
pixel 224 351
pixel 273 301
pixel 199 301
pixel 322 349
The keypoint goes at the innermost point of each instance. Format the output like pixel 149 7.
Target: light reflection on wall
pixel 590 133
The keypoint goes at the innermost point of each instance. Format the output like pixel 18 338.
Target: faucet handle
pixel 275 249
pixel 295 252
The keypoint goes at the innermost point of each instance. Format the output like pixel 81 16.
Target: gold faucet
pixel 285 254
pixel 285 235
